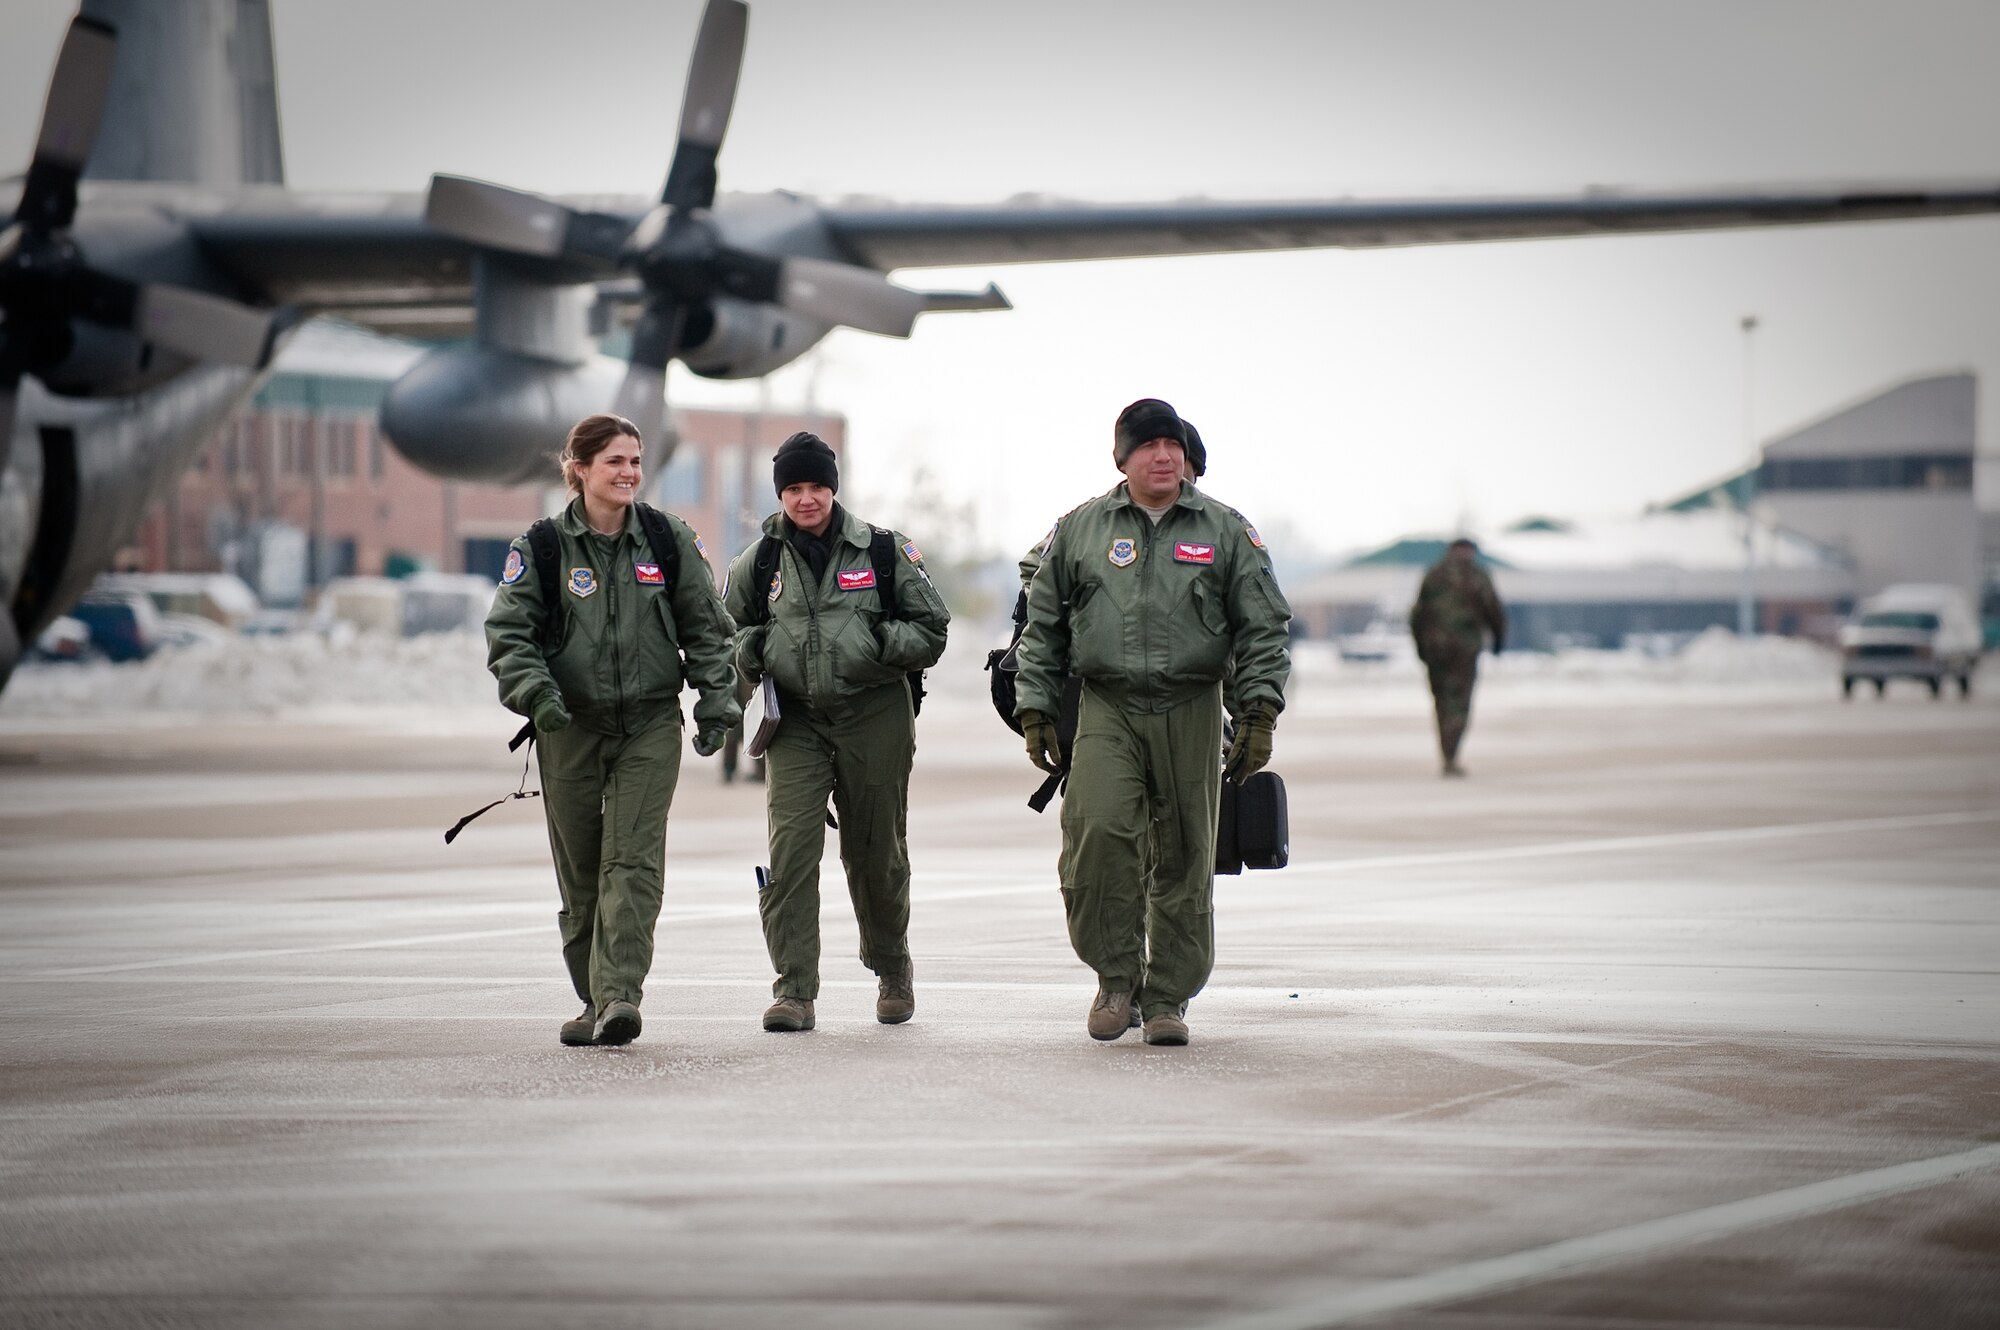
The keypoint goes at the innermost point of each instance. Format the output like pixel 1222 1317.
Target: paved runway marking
pixel 1540 850
pixel 1910 822
pixel 1649 1237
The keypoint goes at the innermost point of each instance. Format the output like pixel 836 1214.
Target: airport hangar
pixel 1875 493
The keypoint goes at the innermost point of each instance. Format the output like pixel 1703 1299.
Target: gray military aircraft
pixel 155 258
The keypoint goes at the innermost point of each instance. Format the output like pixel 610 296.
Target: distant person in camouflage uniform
pixel 1456 606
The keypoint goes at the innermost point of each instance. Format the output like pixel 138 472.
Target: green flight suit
pixel 1150 617
pixel 1455 607
pixel 846 732
pixel 629 644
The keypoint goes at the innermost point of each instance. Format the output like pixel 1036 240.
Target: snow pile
pixel 266 676
pixel 1720 656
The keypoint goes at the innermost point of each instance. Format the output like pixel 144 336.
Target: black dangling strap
pixel 1039 800
pixel 527 736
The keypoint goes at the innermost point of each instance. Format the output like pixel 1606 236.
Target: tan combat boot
pixel 582 1030
pixel 1110 1015
pixel 896 996
pixel 1167 1029
pixel 789 1013
pixel 618 1023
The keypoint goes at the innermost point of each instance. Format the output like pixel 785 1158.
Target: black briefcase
pixel 1254 827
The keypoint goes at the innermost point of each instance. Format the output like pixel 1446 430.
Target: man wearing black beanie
pixel 840 615
pixel 1148 594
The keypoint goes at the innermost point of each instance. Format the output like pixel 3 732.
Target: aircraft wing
pixel 374 261
pixel 1034 230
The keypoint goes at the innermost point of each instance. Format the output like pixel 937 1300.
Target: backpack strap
pixel 882 554
pixel 544 544
pixel 764 573
pixel 666 550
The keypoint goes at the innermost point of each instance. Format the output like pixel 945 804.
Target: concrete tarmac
pixel 1682 1011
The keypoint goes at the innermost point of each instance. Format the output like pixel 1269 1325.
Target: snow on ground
pixel 443 676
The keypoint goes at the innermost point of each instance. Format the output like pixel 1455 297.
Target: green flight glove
pixel 550 713
pixel 708 741
pixel 1252 747
pixel 1044 748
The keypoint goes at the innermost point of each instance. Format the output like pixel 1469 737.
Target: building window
pixel 1913 471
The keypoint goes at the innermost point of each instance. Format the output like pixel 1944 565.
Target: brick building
pixel 305 466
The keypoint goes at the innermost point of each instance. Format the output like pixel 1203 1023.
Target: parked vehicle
pixel 123 624
pixel 1913 631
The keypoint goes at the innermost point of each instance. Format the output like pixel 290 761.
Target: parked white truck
pixel 1913 631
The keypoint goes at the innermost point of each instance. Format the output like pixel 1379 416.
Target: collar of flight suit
pixel 572 520
pixel 1190 497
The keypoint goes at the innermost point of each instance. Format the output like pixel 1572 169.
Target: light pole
pixel 1746 596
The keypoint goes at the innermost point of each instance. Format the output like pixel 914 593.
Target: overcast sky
pixel 1347 397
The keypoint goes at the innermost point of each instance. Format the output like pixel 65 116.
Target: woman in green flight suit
pixel 604 695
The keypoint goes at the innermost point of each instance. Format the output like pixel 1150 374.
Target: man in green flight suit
pixel 822 627
pixel 1456 606
pixel 1146 593
pixel 603 691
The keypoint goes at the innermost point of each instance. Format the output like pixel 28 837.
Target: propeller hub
pixel 682 258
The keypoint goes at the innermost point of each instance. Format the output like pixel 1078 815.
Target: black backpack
pixel 546 543
pixel 881 556
pixel 1005 665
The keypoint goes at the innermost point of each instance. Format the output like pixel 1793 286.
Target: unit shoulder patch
pixel 516 566
pixel 1123 551
pixel 777 585
pixel 582 582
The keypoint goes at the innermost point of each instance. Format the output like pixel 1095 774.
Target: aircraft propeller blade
pixel 495 216
pixel 656 340
pixel 850 296
pixel 193 323
pixel 10 398
pixel 711 93
pixel 204 326
pixel 70 116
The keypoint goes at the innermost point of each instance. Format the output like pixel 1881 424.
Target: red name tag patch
pixel 649 573
pixel 857 581
pixel 1186 553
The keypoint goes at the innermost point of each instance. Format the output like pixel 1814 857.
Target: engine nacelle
pixel 745 340
pixel 482 414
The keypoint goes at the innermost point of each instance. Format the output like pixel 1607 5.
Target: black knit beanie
pixel 804 459
pixel 1197 452
pixel 1145 420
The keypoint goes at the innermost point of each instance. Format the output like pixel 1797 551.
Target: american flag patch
pixel 911 551
pixel 1186 553
pixel 859 580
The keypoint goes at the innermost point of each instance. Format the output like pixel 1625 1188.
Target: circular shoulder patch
pixel 515 567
